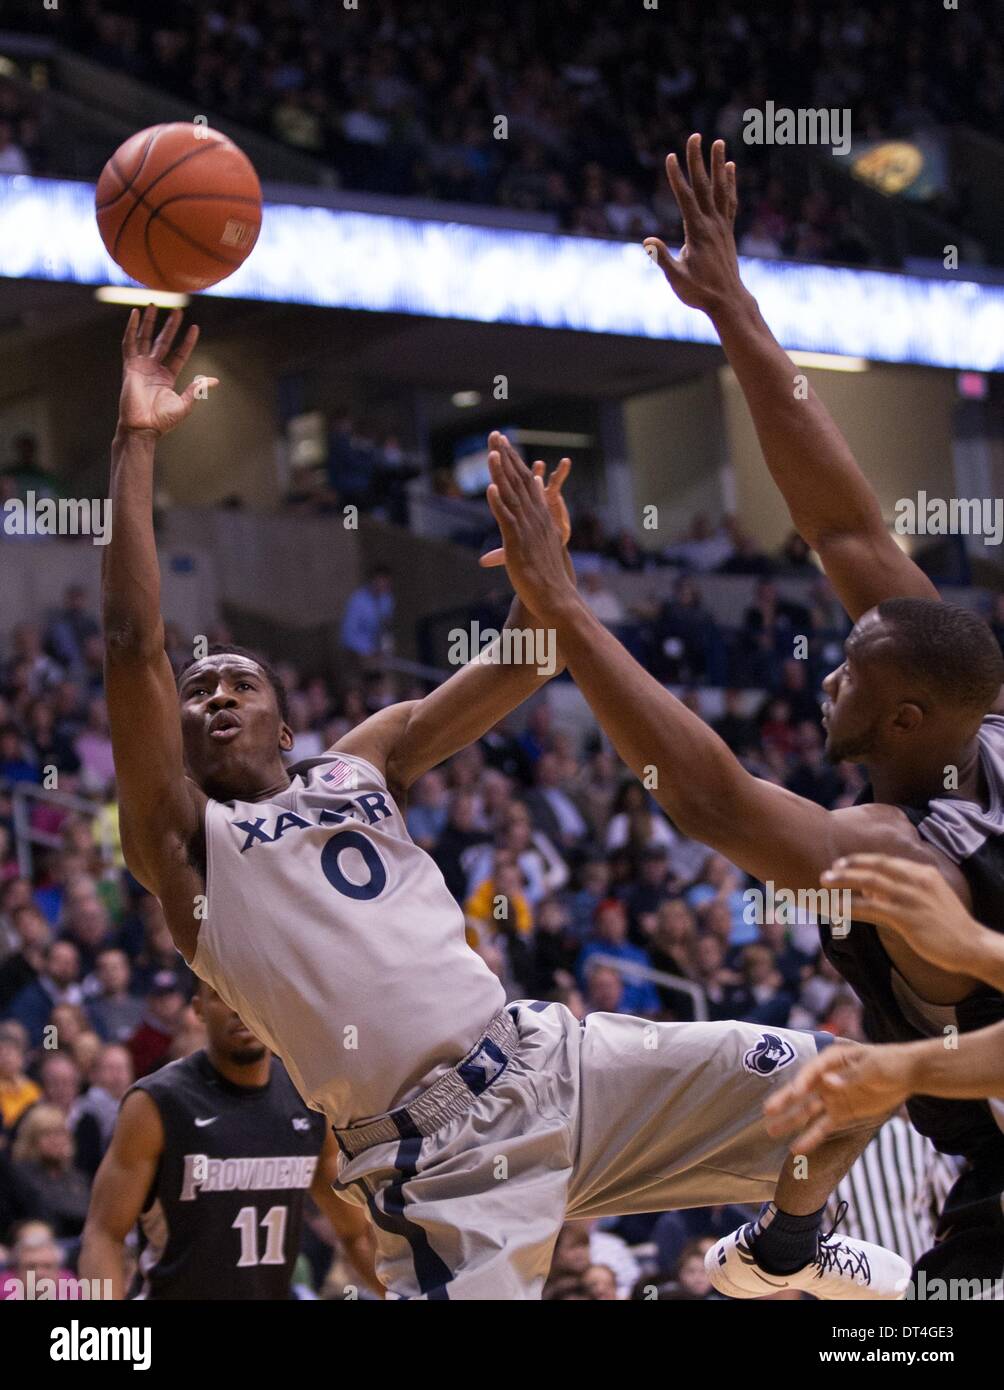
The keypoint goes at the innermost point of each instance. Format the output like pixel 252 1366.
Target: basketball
pixel 178 207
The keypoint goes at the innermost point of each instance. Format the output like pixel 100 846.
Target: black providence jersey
pixel 973 838
pixel 223 1216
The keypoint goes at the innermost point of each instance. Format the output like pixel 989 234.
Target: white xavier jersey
pixel 337 941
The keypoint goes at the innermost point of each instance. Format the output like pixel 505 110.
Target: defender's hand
pixel 497 444
pixel 844 1087
pixel 150 368
pixel 534 551
pixel 913 900
pixel 706 274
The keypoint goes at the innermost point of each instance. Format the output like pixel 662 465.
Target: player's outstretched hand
pixel 706 273
pixel 533 544
pixel 913 900
pixel 498 443
pixel 150 367
pixel 845 1087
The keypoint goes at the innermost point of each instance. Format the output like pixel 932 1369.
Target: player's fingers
pixel 658 251
pixel 500 511
pixel 516 471
pixel 166 335
pixel 874 889
pixel 719 180
pixel 129 336
pixel 538 468
pixel 184 350
pixel 491 558
pixel 502 478
pixel 786 1112
pixel 911 880
pixel 193 391
pixel 146 327
pixel 815 1135
pixel 699 180
pixel 557 478
pixel 730 176
pixel 681 190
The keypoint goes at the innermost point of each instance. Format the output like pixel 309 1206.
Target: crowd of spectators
pixel 593 96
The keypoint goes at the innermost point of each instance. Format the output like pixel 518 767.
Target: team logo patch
pixel 769 1055
pixel 301 1122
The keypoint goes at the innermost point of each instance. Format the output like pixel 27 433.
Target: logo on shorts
pixel 770 1054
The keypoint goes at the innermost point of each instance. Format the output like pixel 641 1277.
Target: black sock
pixel 783 1243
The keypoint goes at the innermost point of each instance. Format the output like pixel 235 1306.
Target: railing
pixel 634 970
pixel 23 795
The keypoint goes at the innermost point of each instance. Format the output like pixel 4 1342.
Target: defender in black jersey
pixel 917 700
pixel 214 1156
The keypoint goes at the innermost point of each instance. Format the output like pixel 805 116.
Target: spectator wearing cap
pixel 114 1012
pixel 162 1016
pixel 17 1090
pixel 610 939
pixel 58 982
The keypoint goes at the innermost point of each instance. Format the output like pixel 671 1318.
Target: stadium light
pixel 124 294
pixel 454 270
pixel 830 361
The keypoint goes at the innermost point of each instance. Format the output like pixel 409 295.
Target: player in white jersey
pixel 469 1129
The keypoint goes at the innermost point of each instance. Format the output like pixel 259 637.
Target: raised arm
pixel 831 503
pixel 159 808
pixel 764 829
pixel 406 740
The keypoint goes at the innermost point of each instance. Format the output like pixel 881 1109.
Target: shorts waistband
pixel 452 1095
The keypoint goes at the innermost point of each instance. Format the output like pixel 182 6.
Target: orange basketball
pixel 178 206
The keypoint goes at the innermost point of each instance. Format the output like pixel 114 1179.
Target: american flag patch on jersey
pixel 339 774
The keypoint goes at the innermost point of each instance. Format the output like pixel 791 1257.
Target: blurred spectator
pixel 43 1162
pixel 69 629
pixel 96 1112
pixel 114 1011
pixel 17 1091
pixel 368 616
pixel 162 1017
pixel 57 982
pixel 610 939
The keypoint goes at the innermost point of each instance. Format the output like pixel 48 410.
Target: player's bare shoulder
pixel 881 829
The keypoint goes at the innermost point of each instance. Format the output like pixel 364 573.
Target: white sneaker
pixel 844 1268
